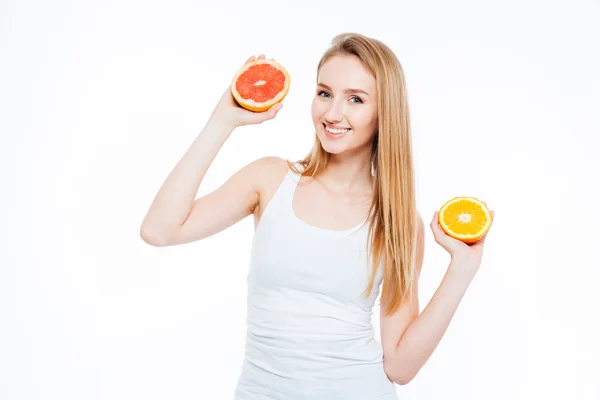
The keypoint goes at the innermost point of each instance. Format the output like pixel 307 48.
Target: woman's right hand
pixel 230 113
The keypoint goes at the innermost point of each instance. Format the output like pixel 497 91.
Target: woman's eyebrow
pixel 345 90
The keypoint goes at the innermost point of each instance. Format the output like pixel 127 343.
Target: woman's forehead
pixel 346 72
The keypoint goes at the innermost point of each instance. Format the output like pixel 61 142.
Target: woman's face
pixel 344 109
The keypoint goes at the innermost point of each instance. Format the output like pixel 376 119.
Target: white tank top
pixel 309 329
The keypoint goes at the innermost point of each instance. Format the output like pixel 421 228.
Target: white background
pixel 100 100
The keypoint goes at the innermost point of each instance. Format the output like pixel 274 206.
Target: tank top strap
pixel 279 208
pixel 288 186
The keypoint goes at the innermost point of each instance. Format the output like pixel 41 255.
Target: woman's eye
pixel 353 97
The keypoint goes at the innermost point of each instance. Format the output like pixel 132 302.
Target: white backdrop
pixel 101 99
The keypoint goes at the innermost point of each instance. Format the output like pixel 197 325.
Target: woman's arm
pixel 409 338
pixel 173 203
pixel 405 354
pixel 174 216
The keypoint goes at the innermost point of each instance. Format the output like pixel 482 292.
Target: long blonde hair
pixel 393 214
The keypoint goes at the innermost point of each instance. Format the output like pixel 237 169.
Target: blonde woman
pixel 321 224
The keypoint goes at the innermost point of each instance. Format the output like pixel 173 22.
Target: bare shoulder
pixel 270 169
pixel 270 173
pixel 272 162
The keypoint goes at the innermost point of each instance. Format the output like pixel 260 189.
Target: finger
pixel 262 56
pixel 435 220
pixel 435 225
pixel 249 59
pixel 482 239
pixel 260 117
pixel 272 112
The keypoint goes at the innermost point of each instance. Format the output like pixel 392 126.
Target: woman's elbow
pixel 152 238
pixel 403 380
pixel 398 376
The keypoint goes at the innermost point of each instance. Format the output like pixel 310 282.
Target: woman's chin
pixel 332 148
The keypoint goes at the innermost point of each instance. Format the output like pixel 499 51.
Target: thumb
pixel 448 243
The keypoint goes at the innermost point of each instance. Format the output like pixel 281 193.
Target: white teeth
pixel 336 130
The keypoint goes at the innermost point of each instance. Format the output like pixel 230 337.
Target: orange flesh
pixel 247 86
pixel 452 218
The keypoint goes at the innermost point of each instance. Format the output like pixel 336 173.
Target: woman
pixel 320 225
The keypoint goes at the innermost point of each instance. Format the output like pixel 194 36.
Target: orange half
pixel 465 218
pixel 260 84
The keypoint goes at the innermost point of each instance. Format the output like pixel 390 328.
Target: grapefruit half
pixel 260 84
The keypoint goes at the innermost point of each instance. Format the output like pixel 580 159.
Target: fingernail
pixel 279 106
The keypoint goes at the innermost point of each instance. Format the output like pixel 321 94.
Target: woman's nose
pixel 335 112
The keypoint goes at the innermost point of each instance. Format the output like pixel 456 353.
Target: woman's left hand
pixel 467 255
